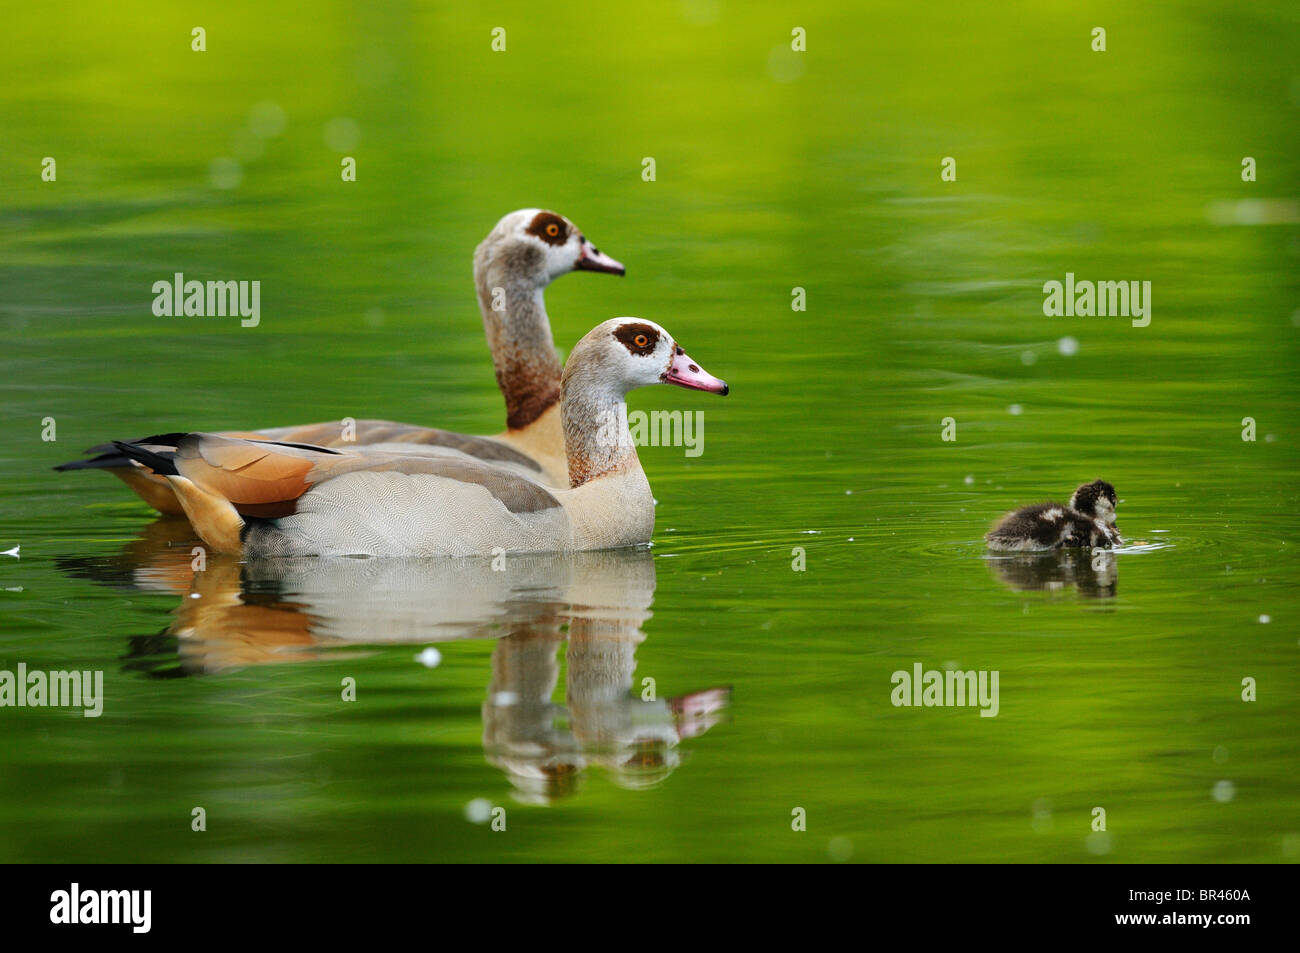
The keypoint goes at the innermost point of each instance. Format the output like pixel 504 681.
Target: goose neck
pixel 519 334
pixel 597 440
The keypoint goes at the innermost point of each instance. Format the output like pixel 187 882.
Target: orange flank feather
pixel 257 480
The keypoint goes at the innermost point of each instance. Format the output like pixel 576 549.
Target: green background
pixel 775 170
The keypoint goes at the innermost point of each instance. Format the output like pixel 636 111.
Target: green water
pixel 1120 685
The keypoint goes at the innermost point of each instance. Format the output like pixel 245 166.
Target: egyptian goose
pixel 1088 520
pixel 512 266
pixel 265 498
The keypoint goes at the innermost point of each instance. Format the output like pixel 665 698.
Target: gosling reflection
pixel 592 605
pixel 1094 574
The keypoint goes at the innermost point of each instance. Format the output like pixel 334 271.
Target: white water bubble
pixel 840 849
pixel 1291 845
pixel 784 64
pixel 1043 821
pixel 342 134
pixel 1098 843
pixel 224 173
pixel 266 120
pixel 701 11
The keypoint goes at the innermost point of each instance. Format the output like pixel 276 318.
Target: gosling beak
pixel 593 259
pixel 684 372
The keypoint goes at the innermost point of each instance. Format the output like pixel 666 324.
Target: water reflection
pixel 233 614
pixel 1095 574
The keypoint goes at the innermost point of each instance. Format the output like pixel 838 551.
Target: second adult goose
pixel 275 499
pixel 513 265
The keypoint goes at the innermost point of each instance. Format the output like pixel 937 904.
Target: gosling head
pixel 1095 499
pixel 626 353
pixel 540 246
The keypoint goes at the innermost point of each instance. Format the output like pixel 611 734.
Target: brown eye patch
pixel 639 339
pixel 549 227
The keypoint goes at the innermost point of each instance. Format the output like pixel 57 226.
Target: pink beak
pixel 686 373
pixel 593 259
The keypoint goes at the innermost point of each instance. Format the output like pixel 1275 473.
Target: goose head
pixel 612 359
pixel 1096 499
pixel 539 246
pixel 625 353
pixel 512 266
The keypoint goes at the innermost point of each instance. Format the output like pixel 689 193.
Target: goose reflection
pixel 588 608
pixel 544 748
pixel 1094 574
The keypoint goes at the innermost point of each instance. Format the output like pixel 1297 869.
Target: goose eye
pixel 640 340
pixel 552 229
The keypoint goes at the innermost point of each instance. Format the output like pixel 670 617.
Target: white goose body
pixel 396 514
pixel 269 499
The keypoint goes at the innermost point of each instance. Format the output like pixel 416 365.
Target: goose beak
pixel 593 259
pixel 686 373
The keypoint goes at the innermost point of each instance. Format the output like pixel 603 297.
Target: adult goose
pixel 268 498
pixel 512 267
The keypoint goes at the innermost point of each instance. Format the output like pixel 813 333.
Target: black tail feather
pixel 159 440
pixel 111 457
pixel 105 461
pixel 160 463
pixel 120 453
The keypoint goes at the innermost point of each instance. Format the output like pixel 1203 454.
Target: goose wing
pixel 266 478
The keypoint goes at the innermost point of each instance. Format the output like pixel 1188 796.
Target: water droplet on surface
pixel 342 134
pixel 225 173
pixel 266 120
pixel 1098 843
